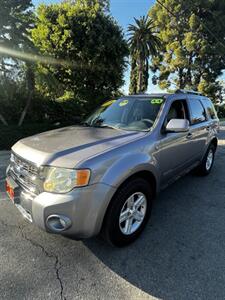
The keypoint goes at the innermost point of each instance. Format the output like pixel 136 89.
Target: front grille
pixel 25 174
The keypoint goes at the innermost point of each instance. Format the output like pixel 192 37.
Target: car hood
pixel 66 147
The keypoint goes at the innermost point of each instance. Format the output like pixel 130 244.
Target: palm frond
pixel 143 37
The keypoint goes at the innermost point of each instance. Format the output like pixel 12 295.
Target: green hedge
pixel 9 135
pixel 42 110
pixel 221 112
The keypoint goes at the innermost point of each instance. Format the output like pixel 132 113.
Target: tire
pixel 207 163
pixel 113 230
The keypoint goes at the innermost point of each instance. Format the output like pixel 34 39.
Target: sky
pixel 124 12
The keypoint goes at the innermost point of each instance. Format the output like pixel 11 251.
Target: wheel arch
pixel 214 142
pixel 144 174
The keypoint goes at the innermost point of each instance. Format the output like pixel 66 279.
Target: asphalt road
pixel 180 255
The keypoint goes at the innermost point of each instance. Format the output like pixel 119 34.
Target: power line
pixel 166 8
pixel 206 27
pixel 209 30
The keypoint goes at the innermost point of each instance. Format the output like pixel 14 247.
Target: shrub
pixel 12 133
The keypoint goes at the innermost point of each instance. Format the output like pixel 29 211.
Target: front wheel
pixel 128 213
pixel 207 162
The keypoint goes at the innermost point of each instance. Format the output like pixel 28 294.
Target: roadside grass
pixel 9 135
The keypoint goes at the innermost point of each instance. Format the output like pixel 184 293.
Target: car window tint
pixel 178 110
pixel 127 113
pixel 143 109
pixel 209 107
pixel 197 111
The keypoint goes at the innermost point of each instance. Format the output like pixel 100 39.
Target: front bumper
pixel 85 207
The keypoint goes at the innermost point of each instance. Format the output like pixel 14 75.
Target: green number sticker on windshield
pixel 108 103
pixel 157 101
pixel 123 103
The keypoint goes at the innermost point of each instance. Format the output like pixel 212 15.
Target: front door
pixel 175 148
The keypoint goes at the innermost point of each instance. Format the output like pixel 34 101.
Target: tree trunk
pixel 140 75
pixel 2 119
pixel 133 77
pixel 188 77
pixel 146 76
pixel 181 81
pixel 30 89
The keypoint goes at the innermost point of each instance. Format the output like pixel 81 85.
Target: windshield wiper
pixel 98 126
pixel 85 124
pixel 109 126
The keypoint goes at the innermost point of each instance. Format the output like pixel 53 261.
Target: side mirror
pixel 177 125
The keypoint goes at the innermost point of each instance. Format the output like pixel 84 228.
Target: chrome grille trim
pixel 25 174
pixel 27 166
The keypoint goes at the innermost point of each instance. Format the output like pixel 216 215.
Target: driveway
pixel 180 255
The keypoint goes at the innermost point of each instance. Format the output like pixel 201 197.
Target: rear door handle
pixel 207 128
pixel 189 136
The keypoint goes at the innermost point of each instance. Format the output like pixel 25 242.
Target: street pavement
pixel 179 256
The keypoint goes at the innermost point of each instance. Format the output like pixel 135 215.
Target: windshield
pixel 128 114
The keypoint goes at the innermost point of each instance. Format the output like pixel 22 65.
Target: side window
pixel 209 107
pixel 178 110
pixel 197 111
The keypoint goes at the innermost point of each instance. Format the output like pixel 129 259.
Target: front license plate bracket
pixel 12 190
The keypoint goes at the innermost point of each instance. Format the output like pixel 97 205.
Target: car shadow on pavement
pixel 180 255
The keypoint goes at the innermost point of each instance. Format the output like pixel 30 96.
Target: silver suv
pixel 102 176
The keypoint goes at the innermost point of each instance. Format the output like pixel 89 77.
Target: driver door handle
pixel 189 136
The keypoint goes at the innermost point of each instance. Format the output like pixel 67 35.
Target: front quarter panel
pixel 114 167
pixel 127 166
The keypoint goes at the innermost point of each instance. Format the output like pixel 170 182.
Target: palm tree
pixel 143 42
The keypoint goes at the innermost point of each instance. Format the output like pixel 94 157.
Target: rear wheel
pixel 128 213
pixel 207 162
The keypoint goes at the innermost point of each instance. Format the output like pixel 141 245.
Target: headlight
pixel 59 180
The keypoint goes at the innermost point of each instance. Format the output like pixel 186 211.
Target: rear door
pixel 199 126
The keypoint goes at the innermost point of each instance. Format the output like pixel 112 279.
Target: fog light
pixel 58 223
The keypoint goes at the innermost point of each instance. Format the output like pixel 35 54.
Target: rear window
pixel 197 111
pixel 210 109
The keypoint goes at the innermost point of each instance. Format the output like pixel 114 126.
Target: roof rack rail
pixel 180 91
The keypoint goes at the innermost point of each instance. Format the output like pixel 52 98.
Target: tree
pixel 133 88
pixel 192 54
pixel 16 19
pixel 91 45
pixel 103 5
pixel 30 80
pixel 143 43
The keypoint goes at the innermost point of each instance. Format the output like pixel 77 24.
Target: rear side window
pixel 209 107
pixel 197 111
